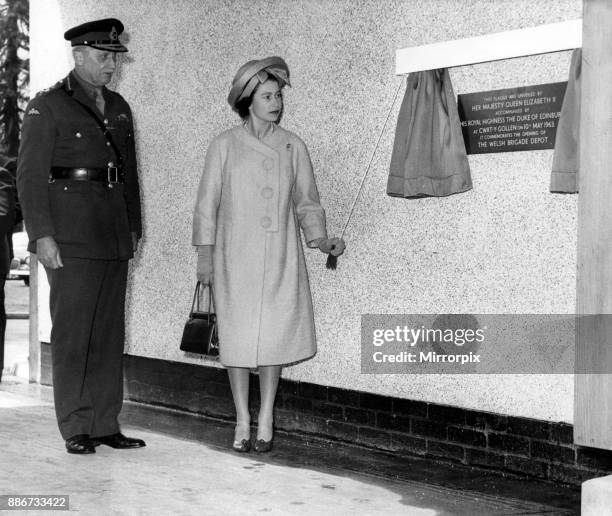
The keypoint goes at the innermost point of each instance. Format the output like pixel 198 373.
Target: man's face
pixel 96 66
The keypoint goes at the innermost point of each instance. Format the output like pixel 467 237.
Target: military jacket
pixel 88 219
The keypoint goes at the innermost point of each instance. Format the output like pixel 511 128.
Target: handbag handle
pixel 196 298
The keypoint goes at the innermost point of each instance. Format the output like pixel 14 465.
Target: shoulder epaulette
pixel 56 86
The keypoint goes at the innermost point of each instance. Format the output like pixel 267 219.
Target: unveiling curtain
pixel 429 158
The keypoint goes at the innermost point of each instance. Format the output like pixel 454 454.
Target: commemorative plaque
pixel 513 119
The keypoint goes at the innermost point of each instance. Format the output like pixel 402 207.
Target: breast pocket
pixel 120 130
pixel 79 143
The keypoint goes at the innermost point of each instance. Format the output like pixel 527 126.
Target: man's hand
pixel 134 242
pixel 48 252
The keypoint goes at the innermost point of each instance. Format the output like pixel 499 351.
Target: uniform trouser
pixel 87 302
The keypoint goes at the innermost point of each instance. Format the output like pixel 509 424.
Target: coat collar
pixel 265 146
pixel 81 91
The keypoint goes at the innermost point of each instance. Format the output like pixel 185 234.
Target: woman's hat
pixel 255 72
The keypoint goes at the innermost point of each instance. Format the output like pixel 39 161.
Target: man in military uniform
pixel 78 186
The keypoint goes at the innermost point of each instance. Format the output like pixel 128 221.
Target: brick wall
pixel 514 445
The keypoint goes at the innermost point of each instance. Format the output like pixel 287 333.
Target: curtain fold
pixel 428 158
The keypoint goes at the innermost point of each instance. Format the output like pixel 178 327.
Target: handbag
pixel 200 333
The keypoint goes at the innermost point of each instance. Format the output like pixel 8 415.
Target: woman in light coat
pixel 256 191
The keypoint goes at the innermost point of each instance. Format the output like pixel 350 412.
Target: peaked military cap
pixel 100 34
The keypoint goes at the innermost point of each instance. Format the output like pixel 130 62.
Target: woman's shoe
pixel 262 446
pixel 243 446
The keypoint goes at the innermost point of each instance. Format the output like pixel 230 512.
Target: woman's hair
pixel 242 105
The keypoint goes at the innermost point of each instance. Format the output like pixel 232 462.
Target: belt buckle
pixel 112 174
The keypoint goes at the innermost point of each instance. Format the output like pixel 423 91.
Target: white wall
pixel 507 246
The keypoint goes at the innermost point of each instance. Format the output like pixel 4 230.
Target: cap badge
pixel 114 35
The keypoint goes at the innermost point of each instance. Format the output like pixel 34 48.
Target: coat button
pixel 267 192
pixel 268 164
pixel 78 135
pixel 108 144
pixel 106 120
pixel 266 222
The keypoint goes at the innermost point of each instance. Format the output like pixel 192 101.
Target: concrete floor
pixel 186 476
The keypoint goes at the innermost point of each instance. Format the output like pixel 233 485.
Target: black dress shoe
pixel 119 441
pixel 80 444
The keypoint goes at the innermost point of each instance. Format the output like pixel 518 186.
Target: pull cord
pixel 332 261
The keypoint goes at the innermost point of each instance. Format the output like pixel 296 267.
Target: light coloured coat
pixel 253 198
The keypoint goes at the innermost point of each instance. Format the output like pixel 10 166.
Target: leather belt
pixel 106 175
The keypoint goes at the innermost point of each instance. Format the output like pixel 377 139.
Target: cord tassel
pixel 332 262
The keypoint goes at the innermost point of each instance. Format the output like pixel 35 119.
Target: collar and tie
pixel 99 99
pixel 92 92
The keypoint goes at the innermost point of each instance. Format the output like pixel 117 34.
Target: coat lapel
pixel 248 139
